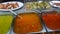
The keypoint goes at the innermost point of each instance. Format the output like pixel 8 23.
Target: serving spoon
pixel 15 13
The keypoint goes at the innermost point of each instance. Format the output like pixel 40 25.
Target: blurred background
pixel 21 0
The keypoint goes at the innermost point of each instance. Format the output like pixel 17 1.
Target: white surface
pixel 19 3
pixel 39 1
pixel 52 3
pixel 49 30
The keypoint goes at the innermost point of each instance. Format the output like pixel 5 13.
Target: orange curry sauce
pixel 52 20
pixel 30 22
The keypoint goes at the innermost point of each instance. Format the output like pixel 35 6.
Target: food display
pixel 34 17
pixel 55 3
pixel 52 20
pixel 35 5
pixel 9 6
pixel 30 22
pixel 58 4
pixel 5 23
pixel 13 5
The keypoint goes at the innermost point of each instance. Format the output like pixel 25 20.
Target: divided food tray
pixel 45 28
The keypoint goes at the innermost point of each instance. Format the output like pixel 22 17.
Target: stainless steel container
pixel 51 18
pixel 27 12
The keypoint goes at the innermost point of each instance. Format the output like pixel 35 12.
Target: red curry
pixel 52 20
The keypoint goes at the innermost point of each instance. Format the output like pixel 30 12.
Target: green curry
pixel 5 23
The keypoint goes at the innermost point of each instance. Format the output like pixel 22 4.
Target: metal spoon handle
pixel 13 12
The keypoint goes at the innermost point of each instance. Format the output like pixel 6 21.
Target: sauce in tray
pixel 30 22
pixel 52 20
pixel 5 23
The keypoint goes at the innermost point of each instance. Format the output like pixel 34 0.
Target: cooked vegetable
pixel 9 6
pixel 35 5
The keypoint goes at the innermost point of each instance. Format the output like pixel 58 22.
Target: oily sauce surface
pixel 52 20
pixel 30 22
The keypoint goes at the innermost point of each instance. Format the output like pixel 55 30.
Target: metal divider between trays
pixel 43 23
pixel 12 26
pixel 41 15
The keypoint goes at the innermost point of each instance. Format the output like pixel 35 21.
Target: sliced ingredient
pixel 9 6
pixel 58 4
pixel 35 5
